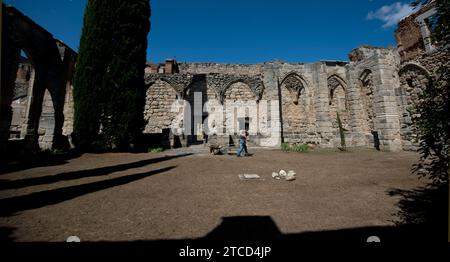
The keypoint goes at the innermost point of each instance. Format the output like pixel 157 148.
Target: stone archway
pixel 240 107
pixel 338 100
pixel 53 62
pixel 413 79
pixel 367 99
pixel 297 113
pixel 160 96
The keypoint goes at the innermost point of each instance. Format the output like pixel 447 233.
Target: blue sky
pixel 242 31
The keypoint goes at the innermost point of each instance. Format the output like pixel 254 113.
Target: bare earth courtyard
pixel 122 196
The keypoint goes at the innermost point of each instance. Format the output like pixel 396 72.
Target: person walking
pixel 242 143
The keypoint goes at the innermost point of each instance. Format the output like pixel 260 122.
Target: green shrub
pixel 341 133
pixel 285 147
pixel 155 150
pixel 299 148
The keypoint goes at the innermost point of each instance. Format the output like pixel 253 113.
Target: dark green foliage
pixel 109 81
pixel 432 124
pixel 443 26
pixel 155 150
pixel 87 80
pixel 424 208
pixel 431 113
pixel 341 132
pixel 122 120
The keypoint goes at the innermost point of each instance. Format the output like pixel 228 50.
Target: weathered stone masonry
pixel 308 97
pixel 49 71
pixel 294 102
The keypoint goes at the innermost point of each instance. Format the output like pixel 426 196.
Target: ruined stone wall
pixel 208 68
pixel 19 104
pixel 415 75
pixel 159 100
pixel 309 96
pixel 409 38
pixel 68 112
pixel 374 107
pixel 413 34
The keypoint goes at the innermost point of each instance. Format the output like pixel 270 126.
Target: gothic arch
pixel 221 82
pixel 335 81
pixel 294 74
pixel 152 83
pixel 297 113
pixel 295 83
pixel 52 61
pixel 414 66
pixel 413 79
pixel 337 100
pixel 229 85
pixel 179 82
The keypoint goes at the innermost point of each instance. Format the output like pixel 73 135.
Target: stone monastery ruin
pixel 277 101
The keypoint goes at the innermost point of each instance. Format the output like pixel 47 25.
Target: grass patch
pixel 299 148
pixel 155 150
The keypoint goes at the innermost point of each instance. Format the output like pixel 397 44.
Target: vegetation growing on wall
pixel 431 112
pixel 341 132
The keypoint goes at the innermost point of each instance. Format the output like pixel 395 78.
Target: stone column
pixel 36 100
pixel 321 104
pixel 355 107
pixel 10 62
pixel 273 117
pixel 426 35
pixel 57 92
pixel 386 120
pixel 424 30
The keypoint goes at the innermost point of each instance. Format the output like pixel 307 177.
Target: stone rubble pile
pixel 289 176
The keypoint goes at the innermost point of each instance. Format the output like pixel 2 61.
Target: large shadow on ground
pixel 54 196
pixel 262 230
pixel 425 207
pixel 27 161
pixel 102 171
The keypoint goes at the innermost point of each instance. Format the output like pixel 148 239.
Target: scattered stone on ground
pixel 250 177
pixel 289 176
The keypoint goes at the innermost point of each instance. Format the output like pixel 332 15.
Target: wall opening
pixel 21 97
pixel 46 122
pixel 367 93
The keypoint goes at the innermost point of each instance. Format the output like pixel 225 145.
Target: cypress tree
pixel 122 120
pixel 89 70
pixel 109 89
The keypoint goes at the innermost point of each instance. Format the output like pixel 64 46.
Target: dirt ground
pixel 123 196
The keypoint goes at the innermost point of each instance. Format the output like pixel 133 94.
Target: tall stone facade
pixel 188 103
pixel 306 98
